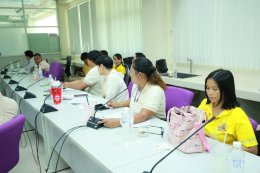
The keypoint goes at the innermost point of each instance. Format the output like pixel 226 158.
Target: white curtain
pixel 123 26
pixel 223 33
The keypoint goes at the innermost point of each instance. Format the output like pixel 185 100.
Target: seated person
pixel 118 64
pixel 39 62
pixel 230 119
pixel 113 82
pixel 104 52
pixel 82 71
pixel 148 98
pixel 29 58
pixel 93 80
pixel 139 54
pixel 8 109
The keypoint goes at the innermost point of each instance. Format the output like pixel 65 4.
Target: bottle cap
pixel 236 144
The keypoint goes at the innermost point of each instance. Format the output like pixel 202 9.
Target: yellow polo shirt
pixel 85 69
pixel 120 68
pixel 234 122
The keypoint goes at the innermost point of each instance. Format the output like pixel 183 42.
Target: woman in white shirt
pixel 147 98
pixel 113 85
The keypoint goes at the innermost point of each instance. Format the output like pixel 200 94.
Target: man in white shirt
pixel 92 82
pixel 39 62
pixel 8 109
pixel 113 86
pixel 29 57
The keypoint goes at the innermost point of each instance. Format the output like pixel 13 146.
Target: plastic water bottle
pixel 36 74
pixel 50 78
pixel 175 70
pixel 40 72
pixel 237 158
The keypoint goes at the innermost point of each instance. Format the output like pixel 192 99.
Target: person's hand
pixel 66 84
pixel 113 104
pixel 111 122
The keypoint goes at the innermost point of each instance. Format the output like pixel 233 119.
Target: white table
pixel 107 150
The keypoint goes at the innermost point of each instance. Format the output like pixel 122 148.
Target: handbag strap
pixel 205 144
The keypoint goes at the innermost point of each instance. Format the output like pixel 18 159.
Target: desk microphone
pixel 20 88
pixel 29 95
pixel 11 80
pixel 48 108
pixel 5 70
pixel 93 122
pixel 211 119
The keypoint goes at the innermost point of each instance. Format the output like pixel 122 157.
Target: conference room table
pixel 111 150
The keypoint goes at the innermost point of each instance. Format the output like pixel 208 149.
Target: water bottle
pixel 50 78
pixel 36 74
pixel 237 158
pixel 175 71
pixel 40 72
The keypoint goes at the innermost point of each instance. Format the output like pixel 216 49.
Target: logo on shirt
pixel 222 127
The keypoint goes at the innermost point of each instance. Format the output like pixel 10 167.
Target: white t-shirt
pixel 30 65
pixel 8 109
pixel 152 97
pixel 113 84
pixel 44 65
pixel 94 81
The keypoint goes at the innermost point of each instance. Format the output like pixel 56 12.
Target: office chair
pixel 56 70
pixel 177 97
pixel 10 135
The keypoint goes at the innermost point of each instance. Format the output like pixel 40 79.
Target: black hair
pixel 226 85
pixel 118 56
pixel 93 55
pixel 28 53
pixel 139 54
pixel 145 66
pixel 104 52
pixel 84 56
pixel 38 54
pixel 106 61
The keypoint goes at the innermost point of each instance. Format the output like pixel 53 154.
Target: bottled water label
pixel 237 163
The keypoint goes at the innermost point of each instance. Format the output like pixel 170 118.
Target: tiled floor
pixel 26 163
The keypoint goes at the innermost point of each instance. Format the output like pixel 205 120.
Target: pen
pixel 87 99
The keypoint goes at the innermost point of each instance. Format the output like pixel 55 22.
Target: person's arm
pixel 143 115
pixel 253 149
pixel 78 84
pixel 119 104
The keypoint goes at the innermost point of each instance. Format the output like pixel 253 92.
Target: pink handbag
pixel 182 122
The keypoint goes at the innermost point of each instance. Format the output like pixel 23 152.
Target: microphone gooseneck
pixel 20 88
pixel 29 95
pixel 93 122
pixel 211 119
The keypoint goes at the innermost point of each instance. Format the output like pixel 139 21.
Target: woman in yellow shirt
pixel 118 65
pixel 230 119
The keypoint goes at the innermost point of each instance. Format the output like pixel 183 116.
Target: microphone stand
pixel 29 95
pixel 20 88
pixel 5 70
pixel 11 80
pixel 211 119
pixel 93 122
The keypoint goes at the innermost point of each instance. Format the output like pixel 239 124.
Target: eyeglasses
pixel 143 131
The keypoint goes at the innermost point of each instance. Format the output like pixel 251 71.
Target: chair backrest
pixel 177 97
pixel 253 123
pixel 127 75
pixel 56 70
pixel 128 61
pixel 129 87
pixel 67 66
pixel 10 135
